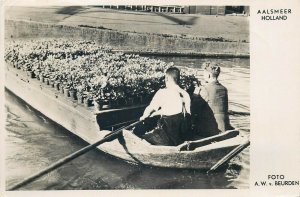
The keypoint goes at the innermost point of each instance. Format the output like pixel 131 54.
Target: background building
pixel 206 10
pixel 217 10
pixel 147 8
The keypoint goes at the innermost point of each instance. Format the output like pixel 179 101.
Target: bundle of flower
pixel 83 69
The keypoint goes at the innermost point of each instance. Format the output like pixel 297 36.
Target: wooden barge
pixel 91 126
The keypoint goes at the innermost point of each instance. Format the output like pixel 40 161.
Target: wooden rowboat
pixel 92 126
pixel 200 154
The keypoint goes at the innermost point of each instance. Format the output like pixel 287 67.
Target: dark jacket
pixel 211 109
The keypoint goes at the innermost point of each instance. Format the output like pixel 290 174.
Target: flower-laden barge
pixel 90 73
pixel 81 119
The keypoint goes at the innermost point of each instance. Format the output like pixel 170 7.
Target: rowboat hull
pixel 134 149
pixel 88 125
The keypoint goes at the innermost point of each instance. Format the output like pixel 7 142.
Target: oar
pixel 229 156
pixel 239 105
pixel 72 156
pixel 230 112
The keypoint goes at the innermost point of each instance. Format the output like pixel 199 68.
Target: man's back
pixel 217 97
pixel 170 100
pixel 173 105
pixel 215 94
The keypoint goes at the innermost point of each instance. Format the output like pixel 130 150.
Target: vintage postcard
pixel 150 98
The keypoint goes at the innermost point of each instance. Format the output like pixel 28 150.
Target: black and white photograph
pixel 149 98
pixel 110 97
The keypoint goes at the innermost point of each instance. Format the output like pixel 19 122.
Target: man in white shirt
pixel 172 104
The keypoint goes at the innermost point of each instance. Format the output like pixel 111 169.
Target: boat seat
pixel 192 145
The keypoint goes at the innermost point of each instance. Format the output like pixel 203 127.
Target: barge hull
pixel 75 117
pixel 87 124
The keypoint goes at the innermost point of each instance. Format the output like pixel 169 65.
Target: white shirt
pixel 169 101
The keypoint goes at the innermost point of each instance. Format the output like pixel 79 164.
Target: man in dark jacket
pixel 212 108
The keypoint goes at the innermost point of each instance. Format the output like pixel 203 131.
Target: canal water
pixel 33 142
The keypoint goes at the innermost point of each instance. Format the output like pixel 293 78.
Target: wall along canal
pixel 33 142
